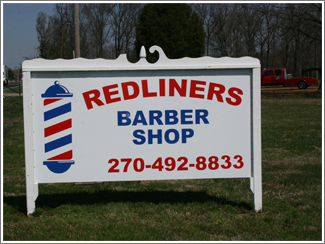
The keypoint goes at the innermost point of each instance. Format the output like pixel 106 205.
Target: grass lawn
pixel 180 210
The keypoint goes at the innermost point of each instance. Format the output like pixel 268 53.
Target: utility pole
pixel 76 28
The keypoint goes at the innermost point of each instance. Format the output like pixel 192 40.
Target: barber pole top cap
pixel 57 91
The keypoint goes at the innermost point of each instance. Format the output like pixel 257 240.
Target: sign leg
pixel 256 188
pixel 32 194
pixel 31 185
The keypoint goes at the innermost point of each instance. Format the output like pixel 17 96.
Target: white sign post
pixel 112 120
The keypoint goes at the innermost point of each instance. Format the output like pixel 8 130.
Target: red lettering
pixel 162 87
pixel 108 94
pixel 131 90
pixel 125 89
pixel 194 88
pixel 212 91
pixel 232 94
pixel 174 85
pixel 94 98
pixel 146 93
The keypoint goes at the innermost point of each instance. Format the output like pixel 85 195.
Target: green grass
pixel 180 210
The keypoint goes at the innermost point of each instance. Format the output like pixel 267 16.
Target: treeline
pixel 106 30
pixel 280 35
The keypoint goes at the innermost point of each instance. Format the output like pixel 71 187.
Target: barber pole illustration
pixel 57 128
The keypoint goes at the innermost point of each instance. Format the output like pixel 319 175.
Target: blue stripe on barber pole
pixel 57 111
pixel 58 143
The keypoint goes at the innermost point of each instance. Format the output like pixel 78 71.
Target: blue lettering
pixel 123 118
pixel 171 117
pixel 138 134
pixel 184 116
pixel 201 114
pixel 157 136
pixel 139 118
pixel 171 136
pixel 176 136
pixel 155 115
pixel 187 133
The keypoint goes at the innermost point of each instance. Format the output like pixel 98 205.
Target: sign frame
pixel 41 66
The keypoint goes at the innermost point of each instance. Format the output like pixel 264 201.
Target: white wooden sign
pixel 112 120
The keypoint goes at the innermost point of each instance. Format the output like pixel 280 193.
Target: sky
pixel 19 37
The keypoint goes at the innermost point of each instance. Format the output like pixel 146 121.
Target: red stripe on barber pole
pixel 58 127
pixel 63 156
pixel 51 100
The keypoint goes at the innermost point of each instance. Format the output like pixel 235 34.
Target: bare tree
pixel 102 27
pixel 226 32
pixel 55 33
pixel 206 12
pixel 249 21
pixel 63 28
pixel 85 36
pixel 268 31
pixel 123 19
pixel 97 16
pixel 302 22
pixel 43 32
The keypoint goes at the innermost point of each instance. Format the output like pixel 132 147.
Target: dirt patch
pixel 291 89
pixel 15 121
pixel 298 160
pixel 276 150
pixel 291 171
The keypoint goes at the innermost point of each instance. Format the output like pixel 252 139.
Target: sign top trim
pixel 122 63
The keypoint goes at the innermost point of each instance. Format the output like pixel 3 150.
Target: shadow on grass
pixel 109 196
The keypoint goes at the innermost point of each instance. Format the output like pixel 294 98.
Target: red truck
pixel 281 77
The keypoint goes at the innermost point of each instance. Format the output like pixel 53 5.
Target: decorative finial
pixel 143 52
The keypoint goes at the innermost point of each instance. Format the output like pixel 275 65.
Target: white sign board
pixel 111 120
